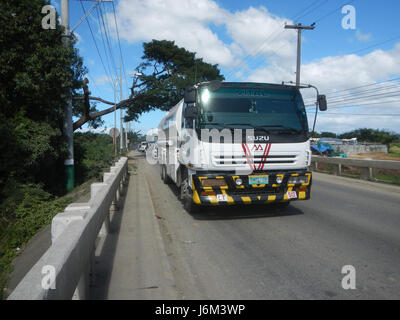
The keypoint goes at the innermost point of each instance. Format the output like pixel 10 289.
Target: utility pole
pixel 115 121
pixel 67 127
pixel 299 28
pixel 126 134
pixel 121 139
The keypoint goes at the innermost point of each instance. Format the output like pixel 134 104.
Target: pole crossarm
pixel 299 26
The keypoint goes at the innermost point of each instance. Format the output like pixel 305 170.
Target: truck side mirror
pixel 190 112
pixel 190 95
pixel 323 106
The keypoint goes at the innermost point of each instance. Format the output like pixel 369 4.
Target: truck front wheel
pixel 164 175
pixel 187 198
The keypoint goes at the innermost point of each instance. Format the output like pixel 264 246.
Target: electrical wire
pixel 95 43
pixel 258 49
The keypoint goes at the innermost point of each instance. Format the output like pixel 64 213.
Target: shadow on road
pixel 104 261
pixel 250 211
pixel 241 211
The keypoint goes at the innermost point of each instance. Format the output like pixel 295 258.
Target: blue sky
pixel 248 41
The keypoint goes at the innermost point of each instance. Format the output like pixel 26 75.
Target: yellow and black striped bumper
pixel 246 193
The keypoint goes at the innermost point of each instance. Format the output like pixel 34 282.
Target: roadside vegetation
pixel 27 207
pixel 391 139
pixel 37 75
pixel 394 150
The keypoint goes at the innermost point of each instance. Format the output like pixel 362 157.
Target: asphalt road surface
pixel 159 251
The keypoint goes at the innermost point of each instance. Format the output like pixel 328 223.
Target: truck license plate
pixel 222 197
pixel 292 194
pixel 258 180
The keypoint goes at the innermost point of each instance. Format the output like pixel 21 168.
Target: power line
pixel 356 93
pixel 315 8
pixel 363 86
pixel 104 43
pixel 338 8
pixel 375 45
pixel 359 95
pixel 333 11
pixel 105 28
pixel 320 19
pixel 382 95
pixel 256 51
pixel 119 45
pixel 95 43
pixel 356 105
pixel 362 114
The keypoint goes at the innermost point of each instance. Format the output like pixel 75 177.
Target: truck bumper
pixel 229 193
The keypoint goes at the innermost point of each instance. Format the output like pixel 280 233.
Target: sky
pixel 358 68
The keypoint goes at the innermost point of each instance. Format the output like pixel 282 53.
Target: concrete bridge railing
pixel 63 272
pixel 365 165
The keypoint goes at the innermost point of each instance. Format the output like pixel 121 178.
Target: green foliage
pixel 27 208
pixel 36 71
pixel 365 135
pixel 25 211
pixel 93 153
pixel 372 135
pixel 394 149
pixel 324 134
pixel 135 137
pixel 167 70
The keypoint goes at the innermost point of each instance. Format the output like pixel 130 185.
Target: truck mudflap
pixel 223 189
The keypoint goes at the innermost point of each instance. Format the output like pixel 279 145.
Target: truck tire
pixel 164 175
pixel 187 198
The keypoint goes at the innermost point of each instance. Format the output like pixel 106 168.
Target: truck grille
pixel 220 160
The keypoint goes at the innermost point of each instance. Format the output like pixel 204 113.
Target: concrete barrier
pixel 360 148
pixel 365 165
pixel 63 272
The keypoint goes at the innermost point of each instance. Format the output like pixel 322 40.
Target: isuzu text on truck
pixel 228 143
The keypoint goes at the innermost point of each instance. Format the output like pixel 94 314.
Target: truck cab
pixel 227 143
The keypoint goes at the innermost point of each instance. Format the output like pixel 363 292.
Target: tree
pixel 327 134
pixel 372 135
pixel 167 70
pixel 36 72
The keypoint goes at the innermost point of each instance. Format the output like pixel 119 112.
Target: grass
pixel 34 211
pixel 388 178
pixel 394 154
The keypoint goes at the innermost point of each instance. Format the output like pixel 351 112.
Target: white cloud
pixel 338 72
pixel 342 123
pixel 256 31
pixel 185 22
pixel 189 23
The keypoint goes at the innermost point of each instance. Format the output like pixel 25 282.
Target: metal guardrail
pixel 63 272
pixel 365 165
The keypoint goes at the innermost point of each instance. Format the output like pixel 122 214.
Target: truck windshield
pixel 270 109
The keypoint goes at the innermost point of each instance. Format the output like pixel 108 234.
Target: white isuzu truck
pixel 227 143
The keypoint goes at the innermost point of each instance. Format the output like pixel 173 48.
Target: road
pixel 159 251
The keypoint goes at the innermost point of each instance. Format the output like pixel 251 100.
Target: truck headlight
pixel 298 180
pixel 239 182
